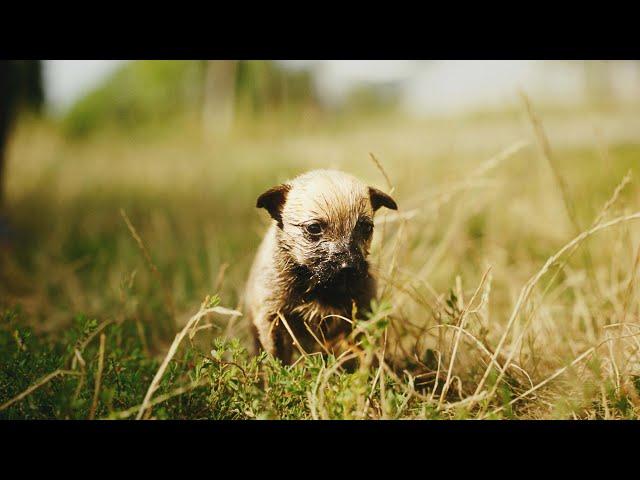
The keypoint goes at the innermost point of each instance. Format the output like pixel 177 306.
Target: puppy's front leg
pixel 273 337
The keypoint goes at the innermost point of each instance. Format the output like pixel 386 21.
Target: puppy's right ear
pixel 273 200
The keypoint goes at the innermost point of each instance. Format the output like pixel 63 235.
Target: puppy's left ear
pixel 381 199
pixel 273 200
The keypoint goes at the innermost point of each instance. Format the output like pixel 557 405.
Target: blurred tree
pixel 263 86
pixel 219 96
pixel 145 92
pixel 598 81
pixel 374 98
pixel 6 111
pixel 138 94
pixel 20 87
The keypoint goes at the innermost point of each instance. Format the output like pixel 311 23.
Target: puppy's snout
pixel 341 256
pixel 342 262
pixel 345 261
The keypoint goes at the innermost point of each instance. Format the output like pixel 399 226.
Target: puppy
pixel 311 267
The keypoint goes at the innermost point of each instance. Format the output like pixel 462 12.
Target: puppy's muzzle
pixel 345 263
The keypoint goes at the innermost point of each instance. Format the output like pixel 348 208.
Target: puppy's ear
pixel 381 199
pixel 273 200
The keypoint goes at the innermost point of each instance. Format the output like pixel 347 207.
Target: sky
pixel 428 87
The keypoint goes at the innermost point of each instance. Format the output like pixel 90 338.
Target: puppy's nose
pixel 343 261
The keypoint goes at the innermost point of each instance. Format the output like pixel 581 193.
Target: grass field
pixel 508 277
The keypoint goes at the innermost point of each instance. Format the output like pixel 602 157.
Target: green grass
pixel 223 383
pixel 74 271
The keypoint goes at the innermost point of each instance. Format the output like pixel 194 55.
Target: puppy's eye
pixel 313 228
pixel 366 228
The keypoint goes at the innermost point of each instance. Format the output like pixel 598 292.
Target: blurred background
pixel 417 87
pixel 184 148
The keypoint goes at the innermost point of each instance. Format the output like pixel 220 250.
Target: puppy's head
pixel 325 222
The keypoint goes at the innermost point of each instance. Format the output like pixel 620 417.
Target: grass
pixel 508 278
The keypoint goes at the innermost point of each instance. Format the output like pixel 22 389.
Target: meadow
pixel 507 278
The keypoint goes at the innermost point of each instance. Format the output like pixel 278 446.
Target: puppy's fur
pixel 313 261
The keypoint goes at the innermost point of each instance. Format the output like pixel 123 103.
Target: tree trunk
pixel 219 97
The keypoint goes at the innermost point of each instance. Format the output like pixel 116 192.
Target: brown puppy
pixel 313 261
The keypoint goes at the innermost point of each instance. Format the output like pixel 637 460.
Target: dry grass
pixel 490 311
